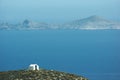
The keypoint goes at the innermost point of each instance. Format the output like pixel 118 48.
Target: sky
pixel 57 10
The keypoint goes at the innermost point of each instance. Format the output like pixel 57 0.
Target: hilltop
pixel 41 74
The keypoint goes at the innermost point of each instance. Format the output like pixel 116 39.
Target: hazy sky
pixel 58 10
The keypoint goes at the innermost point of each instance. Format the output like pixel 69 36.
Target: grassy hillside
pixel 38 75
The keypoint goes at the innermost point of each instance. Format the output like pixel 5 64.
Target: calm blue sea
pixel 94 54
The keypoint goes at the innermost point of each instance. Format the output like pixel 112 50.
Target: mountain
pixel 41 74
pixel 27 24
pixel 91 23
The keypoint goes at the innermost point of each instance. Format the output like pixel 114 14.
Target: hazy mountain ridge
pixel 92 22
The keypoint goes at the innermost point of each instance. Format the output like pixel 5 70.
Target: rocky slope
pixel 38 75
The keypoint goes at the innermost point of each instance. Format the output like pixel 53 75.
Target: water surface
pixel 92 53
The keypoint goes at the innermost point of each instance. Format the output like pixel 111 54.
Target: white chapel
pixel 33 67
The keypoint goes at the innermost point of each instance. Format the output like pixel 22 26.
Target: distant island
pixel 90 23
pixel 41 74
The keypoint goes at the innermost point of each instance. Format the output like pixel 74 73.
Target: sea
pixel 94 54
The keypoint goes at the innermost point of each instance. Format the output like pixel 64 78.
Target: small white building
pixel 33 67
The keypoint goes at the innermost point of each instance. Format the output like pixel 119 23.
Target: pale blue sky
pixel 57 10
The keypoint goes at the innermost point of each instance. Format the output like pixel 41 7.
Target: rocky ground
pixel 38 75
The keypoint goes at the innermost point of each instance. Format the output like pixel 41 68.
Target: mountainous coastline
pixel 92 23
pixel 42 74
